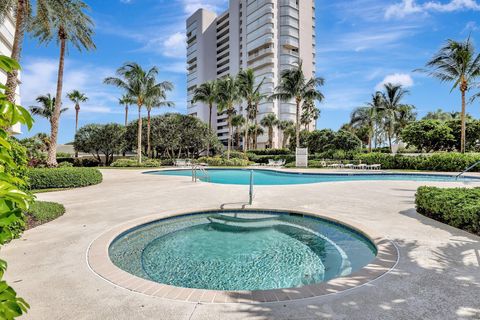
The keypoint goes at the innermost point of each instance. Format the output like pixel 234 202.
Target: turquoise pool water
pixel 270 177
pixel 244 250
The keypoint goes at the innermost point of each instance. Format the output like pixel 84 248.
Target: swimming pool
pixel 242 250
pixel 273 177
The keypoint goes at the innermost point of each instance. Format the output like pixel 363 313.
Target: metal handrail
pixel 250 192
pixel 195 168
pixel 467 170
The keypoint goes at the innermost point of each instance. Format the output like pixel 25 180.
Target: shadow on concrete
pixel 433 280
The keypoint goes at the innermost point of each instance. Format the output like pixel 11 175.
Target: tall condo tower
pixel 267 36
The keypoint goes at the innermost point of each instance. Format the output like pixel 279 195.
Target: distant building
pixel 7 32
pixel 267 36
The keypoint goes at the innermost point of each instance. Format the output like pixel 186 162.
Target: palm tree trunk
pixel 256 129
pixel 297 124
pixel 126 116
pixel 210 107
pixel 77 109
pixel 149 146
pixel 369 143
pixel 54 121
pixel 139 134
pixel 245 135
pixel 229 141
pixel 463 119
pixel 238 138
pixel 270 137
pixel 12 77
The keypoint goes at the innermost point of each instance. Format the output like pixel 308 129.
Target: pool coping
pixel 99 262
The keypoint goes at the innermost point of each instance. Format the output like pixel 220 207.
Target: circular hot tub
pixel 243 251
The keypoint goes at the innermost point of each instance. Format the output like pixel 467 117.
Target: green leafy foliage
pixel 223 162
pixel 46 178
pixel 457 207
pixel 428 135
pixel 132 163
pixel 13 200
pixel 100 139
pixel 270 152
pixel 450 162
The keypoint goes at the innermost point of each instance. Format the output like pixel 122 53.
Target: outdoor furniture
pixel 349 166
pixel 271 163
pixel 280 163
pixel 361 166
pixel 376 167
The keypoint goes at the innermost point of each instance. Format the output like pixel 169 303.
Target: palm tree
pixel 156 98
pixel 439 114
pixel 138 85
pixel 126 101
pixel 251 94
pixel 237 122
pixel 65 22
pixel 286 127
pixel 257 98
pixel 294 86
pixel 46 107
pixel 22 13
pixel 310 113
pixel 456 62
pixel 228 96
pixel 76 97
pixel 392 98
pixel 365 117
pixel 254 130
pixel 269 121
pixel 207 93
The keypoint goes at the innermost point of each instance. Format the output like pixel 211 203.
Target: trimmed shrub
pixel 450 162
pixel 65 159
pixel 65 164
pixel 221 162
pixel 457 207
pixel 271 152
pixel 86 162
pixel 263 159
pixel 133 163
pixel 63 177
pixel 236 155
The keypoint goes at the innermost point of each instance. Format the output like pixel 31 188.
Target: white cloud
pixel 39 77
pixel 175 45
pixel 190 6
pixel 409 7
pixel 471 26
pixel 397 79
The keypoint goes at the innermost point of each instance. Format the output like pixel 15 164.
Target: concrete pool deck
pixel 437 276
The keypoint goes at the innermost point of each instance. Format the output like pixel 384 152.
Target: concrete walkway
pixel 438 275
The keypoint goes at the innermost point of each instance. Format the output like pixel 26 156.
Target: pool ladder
pixel 195 169
pixel 467 170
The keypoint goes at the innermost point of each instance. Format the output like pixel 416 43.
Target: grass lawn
pixel 42 212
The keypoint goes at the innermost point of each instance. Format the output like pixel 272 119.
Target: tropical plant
pixel 254 131
pixel 456 62
pixel 287 128
pixel 66 23
pixel 228 96
pixel 46 107
pixel 13 200
pixel 100 139
pixel 310 114
pixel 294 86
pixel 22 13
pixel 428 135
pixel 206 93
pixel 438 114
pixel 250 92
pixel 77 97
pixel 126 101
pixel 269 122
pixel 391 105
pixel 156 98
pixel 138 85
pixel 237 122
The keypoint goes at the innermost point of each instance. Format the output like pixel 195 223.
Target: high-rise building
pixel 7 32
pixel 267 36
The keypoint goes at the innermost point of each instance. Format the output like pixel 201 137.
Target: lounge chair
pixel 361 166
pixel 271 163
pixel 280 163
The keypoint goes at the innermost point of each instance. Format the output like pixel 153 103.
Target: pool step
pixel 223 218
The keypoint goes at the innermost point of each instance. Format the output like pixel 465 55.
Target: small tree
pixel 268 122
pixel 98 139
pixel 428 135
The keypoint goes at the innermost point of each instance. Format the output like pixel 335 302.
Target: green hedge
pixel 264 158
pixel 270 152
pixel 457 207
pixel 451 162
pixel 133 163
pixel 45 178
pixel 221 162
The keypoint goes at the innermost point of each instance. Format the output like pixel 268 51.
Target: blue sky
pixel 360 45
